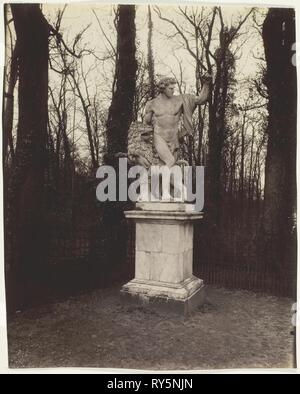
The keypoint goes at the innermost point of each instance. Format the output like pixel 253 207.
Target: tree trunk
pixel 8 114
pixel 216 134
pixel 26 229
pixel 119 119
pixel 242 169
pixel 250 181
pixel 121 109
pixel 150 56
pixel 89 130
pixel 280 181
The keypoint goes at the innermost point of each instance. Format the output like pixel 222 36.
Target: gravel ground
pixel 233 329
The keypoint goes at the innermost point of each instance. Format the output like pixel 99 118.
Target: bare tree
pixel 26 228
pixel 150 55
pixel 121 109
pixel 143 89
pixel 69 63
pixel 198 43
pixel 8 112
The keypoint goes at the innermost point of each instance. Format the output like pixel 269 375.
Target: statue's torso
pixel 166 115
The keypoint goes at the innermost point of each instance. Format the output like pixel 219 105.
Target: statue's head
pixel 167 86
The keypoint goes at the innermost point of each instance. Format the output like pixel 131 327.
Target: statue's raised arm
pixel 189 104
pixel 204 94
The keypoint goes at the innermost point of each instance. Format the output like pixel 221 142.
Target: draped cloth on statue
pixel 189 105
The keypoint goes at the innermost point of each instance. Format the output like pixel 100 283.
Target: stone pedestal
pixel 164 256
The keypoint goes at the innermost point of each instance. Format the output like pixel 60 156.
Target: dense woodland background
pixel 67 110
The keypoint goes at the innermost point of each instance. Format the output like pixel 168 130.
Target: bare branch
pixel 207 42
pixel 79 35
pixel 63 71
pixel 105 35
pixel 60 40
pixel 158 12
pixel 59 17
pixel 221 18
pixel 241 23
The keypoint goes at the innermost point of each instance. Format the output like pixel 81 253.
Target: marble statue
pixel 156 141
pixel 164 228
pixel 163 114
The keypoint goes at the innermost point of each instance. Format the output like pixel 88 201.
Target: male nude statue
pixel 163 113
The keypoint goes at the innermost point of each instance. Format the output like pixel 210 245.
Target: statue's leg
pixel 168 154
pixel 179 189
pixel 181 163
pixel 167 158
pixel 163 151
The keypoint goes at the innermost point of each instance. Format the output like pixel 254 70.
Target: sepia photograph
pixel 149 186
